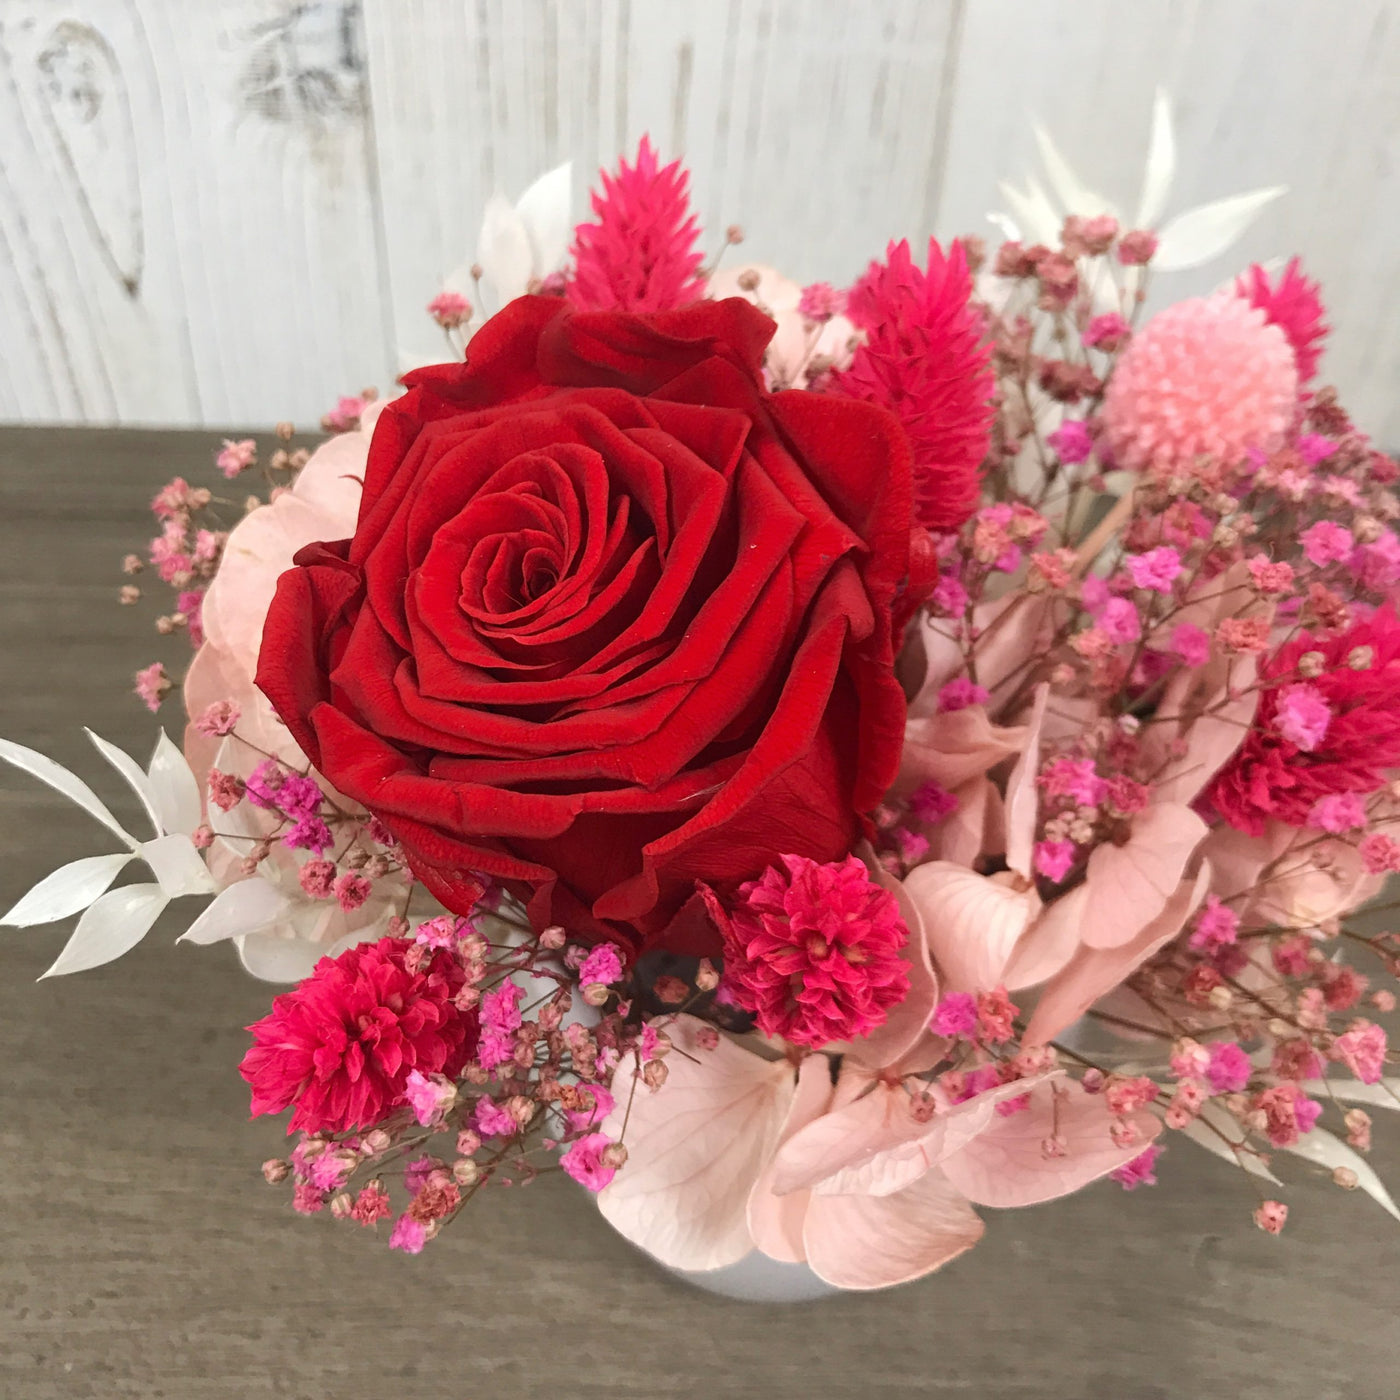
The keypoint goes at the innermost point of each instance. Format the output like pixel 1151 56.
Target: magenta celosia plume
pixel 813 951
pixel 924 359
pixel 1200 385
pixel 640 255
pixel 1271 775
pixel 338 1048
pixel 1294 305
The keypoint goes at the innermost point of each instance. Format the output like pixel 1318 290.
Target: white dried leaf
pixel 1200 1132
pixel 1161 163
pixel 39 766
pixel 70 888
pixel 175 789
pixel 544 209
pixel 1206 231
pixel 130 770
pixel 247 907
pixel 112 925
pixel 1331 1152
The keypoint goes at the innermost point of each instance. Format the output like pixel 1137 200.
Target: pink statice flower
pixel 959 693
pixel 1229 1068
pixel 1269 576
pixel 814 950
pixel 492 1120
pixel 408 1234
pixel 345 416
pixel 1380 854
pixel 429 1096
pixel 1293 303
pixel 1338 812
pixel 317 878
pixel 1054 859
pixel 955 1015
pixel 603 964
pixel 1362 1048
pixel 1074 778
pixel 640 254
pixel 1288 1113
pixel 1119 621
pixel 931 803
pixel 1203 382
pixel 1217 927
pixel 1157 569
pixel 1326 542
pixel 585 1161
pixel 1191 643
pixel 1108 332
pixel 152 685
pixel 1072 442
pixel 821 302
pixel 949 596
pixel 1140 1171
pixel 235 457
pixel 598 1102
pixel 1303 715
pixel 450 310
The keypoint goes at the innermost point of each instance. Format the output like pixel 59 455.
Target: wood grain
pixel 237 212
pixel 141 1255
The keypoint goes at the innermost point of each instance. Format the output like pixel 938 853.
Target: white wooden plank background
pixel 233 213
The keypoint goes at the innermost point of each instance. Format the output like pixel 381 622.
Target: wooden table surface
pixel 141 1254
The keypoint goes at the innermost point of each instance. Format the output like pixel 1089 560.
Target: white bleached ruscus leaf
pixel 246 907
pixel 1161 164
pixel 112 925
pixel 70 888
pixel 39 766
pixel 1200 234
pixel 1328 1150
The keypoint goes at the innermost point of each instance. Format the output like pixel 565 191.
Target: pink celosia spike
pixel 924 359
pixel 640 255
pixel 1294 305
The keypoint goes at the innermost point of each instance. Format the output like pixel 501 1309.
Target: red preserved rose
pixel 613 620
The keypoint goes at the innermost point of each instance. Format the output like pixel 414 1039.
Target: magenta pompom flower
pixel 1338 733
pixel 641 253
pixel 339 1047
pixel 813 951
pixel 1201 384
pixel 925 360
pixel 1294 305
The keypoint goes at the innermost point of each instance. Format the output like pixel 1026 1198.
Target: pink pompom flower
pixel 339 1047
pixel 1200 385
pixel 813 951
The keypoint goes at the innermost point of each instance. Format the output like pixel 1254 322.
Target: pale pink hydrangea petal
pixel 1022 797
pixel 1129 885
pixel 865 1242
pixel 1006 1165
pixel 978 825
pixel 951 749
pixel 973 923
pixel 1094 972
pixel 775 1222
pixel 1003 647
pixel 1049 943
pixel 896 1042
pixel 791 350
pixel 695 1148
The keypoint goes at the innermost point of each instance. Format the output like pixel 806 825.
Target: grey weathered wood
pixel 141 1255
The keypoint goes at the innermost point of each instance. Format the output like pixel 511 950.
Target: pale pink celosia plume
pixel 1203 383
pixel 924 359
pixel 640 255
pixel 1294 305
